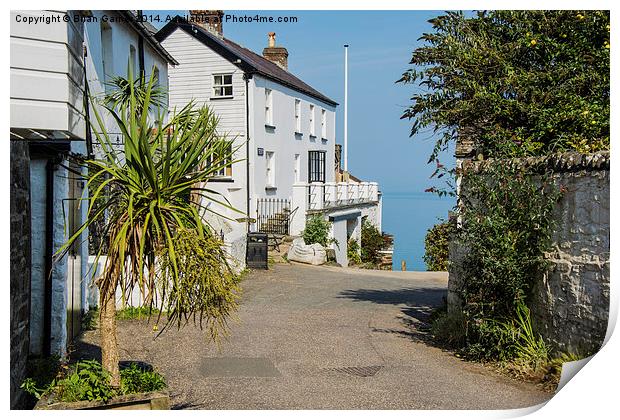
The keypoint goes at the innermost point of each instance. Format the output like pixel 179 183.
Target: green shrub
pixel 136 380
pixel 436 244
pixel 316 231
pixel 353 252
pixel 40 373
pixel 507 222
pixel 372 242
pixel 449 328
pixel 88 381
pixel 85 381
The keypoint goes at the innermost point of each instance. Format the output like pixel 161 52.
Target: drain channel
pixel 360 371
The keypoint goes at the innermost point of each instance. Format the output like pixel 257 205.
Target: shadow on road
pixel 416 305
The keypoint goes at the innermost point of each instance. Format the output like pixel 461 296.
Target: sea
pixel 408 216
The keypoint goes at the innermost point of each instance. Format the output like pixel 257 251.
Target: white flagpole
pixel 346 93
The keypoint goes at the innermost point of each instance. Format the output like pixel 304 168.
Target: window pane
pixel 218 91
pixel 228 91
pixel 228 79
pixel 217 80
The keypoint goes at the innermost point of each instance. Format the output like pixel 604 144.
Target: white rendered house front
pixel 283 130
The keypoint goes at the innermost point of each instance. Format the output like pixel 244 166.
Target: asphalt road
pixel 324 338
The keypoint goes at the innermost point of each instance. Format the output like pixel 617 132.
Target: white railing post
pixel 299 207
pixel 316 195
pixel 330 194
pixel 356 193
pixel 365 192
pixel 341 193
pixel 350 188
pixel 374 191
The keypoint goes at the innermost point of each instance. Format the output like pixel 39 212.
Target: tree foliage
pixel 521 82
pixel 372 242
pixel 436 244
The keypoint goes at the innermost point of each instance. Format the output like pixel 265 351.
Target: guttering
pixel 89 135
pixel 247 77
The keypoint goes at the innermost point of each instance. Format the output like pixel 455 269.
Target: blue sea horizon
pixel 408 216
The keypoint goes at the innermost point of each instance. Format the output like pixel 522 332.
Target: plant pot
pixel 159 400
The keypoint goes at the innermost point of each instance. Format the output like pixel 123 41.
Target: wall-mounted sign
pixel 261 151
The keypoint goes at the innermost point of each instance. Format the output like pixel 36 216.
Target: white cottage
pixel 55 55
pixel 284 130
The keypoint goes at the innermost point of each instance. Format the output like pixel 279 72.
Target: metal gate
pixel 273 215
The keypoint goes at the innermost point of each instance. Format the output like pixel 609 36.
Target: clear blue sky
pixel 381 43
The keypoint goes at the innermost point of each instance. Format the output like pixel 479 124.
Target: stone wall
pixel 20 265
pixel 570 305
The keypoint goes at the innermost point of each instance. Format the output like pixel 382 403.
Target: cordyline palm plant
pixel 151 199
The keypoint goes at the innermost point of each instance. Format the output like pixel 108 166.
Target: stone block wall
pixel 570 304
pixel 20 266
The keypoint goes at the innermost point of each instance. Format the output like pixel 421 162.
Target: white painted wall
pixel 46 74
pixel 192 80
pixel 123 38
pixel 283 141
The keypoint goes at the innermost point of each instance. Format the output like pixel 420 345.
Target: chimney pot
pixel 211 20
pixel 277 55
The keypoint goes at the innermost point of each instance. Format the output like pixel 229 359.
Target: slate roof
pixel 250 62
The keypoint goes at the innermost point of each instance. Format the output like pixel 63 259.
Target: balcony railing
pixel 330 195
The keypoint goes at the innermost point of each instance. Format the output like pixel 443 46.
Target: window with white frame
pixel 297 168
pixel 297 115
pixel 270 170
pixel 323 124
pixel 221 161
pixel 222 85
pixel 312 120
pixel 268 107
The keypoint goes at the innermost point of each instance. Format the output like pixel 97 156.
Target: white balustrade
pixel 350 189
pixel 316 195
pixel 330 194
pixel 329 199
pixel 341 193
pixel 374 191
pixel 364 192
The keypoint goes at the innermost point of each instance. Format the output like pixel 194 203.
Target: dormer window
pixel 222 86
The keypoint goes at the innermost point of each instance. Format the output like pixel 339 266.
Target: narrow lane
pixel 319 338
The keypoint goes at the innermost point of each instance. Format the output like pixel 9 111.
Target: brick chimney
pixel 211 20
pixel 278 55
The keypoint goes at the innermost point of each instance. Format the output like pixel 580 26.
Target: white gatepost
pixel 299 207
pixel 330 194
